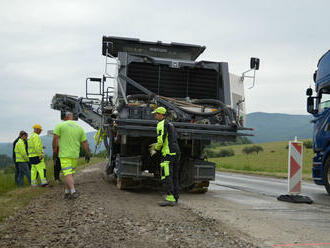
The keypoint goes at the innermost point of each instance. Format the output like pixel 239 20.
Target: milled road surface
pixel 104 216
pixel 250 203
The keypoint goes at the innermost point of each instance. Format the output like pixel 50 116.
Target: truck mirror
pixel 309 92
pixel 254 63
pixel 310 105
pixel 314 75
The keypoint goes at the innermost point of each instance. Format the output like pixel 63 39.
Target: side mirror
pixel 254 63
pixel 309 92
pixel 314 75
pixel 310 105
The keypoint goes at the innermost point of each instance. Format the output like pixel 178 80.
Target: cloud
pixel 50 47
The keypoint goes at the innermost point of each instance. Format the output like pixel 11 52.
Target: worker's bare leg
pixel 69 182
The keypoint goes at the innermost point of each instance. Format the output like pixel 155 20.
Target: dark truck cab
pixel 319 107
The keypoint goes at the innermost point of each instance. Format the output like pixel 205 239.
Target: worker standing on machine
pixel 168 146
pixel 36 156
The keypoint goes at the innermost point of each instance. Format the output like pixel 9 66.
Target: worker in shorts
pixel 67 138
pixel 168 146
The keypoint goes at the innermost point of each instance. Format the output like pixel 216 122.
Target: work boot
pixel 166 203
pixel 74 196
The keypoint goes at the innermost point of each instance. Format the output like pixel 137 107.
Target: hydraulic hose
pixel 213 102
pixel 142 97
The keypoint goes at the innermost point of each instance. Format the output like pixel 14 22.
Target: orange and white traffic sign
pixel 295 167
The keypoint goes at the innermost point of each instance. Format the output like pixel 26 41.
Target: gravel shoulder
pixel 107 217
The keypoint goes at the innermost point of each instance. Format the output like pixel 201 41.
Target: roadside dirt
pixel 104 216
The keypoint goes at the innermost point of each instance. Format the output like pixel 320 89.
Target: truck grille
pixel 174 82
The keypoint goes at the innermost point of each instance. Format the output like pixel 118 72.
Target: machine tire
pixel 120 184
pixel 199 190
pixel 110 178
pixel 200 187
pixel 327 175
pixel 126 183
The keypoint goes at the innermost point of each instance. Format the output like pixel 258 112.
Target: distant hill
pixel 268 127
pixel 278 127
pixel 6 148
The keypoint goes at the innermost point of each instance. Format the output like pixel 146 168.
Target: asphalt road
pixel 250 204
pixel 267 186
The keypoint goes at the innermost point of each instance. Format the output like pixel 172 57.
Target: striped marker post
pixel 295 175
pixel 295 167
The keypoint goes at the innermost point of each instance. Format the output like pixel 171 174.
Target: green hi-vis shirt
pixel 70 137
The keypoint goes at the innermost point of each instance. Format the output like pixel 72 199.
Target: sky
pixel 49 47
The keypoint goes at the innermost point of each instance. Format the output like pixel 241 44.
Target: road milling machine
pixel 203 100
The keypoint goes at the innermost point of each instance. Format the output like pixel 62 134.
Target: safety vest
pixel 99 136
pixel 166 140
pixel 20 151
pixel 35 145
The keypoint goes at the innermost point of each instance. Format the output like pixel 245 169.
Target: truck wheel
pixel 126 183
pixel 121 184
pixel 327 175
pixel 200 187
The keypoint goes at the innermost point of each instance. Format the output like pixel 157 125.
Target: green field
pixel 272 161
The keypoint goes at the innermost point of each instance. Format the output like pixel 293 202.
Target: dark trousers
pixel 16 172
pixel 171 179
pixel 57 168
pixel 23 169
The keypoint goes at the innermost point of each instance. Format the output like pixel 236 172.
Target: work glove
pixel 87 158
pixel 152 149
pixel 54 156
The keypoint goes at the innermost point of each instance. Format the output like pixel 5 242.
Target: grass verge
pixel 272 161
pixel 12 198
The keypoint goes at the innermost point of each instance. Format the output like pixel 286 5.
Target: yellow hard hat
pixel 35 126
pixel 159 110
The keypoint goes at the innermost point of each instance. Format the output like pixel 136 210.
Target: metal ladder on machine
pixel 107 94
pixel 104 93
